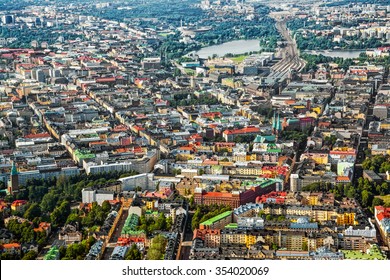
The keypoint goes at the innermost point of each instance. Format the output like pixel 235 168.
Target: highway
pixel 290 54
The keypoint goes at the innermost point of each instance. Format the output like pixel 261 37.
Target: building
pixel 151 63
pixel 18 205
pixel 119 253
pixel 70 234
pixel 230 134
pixel 382 218
pixel 13 183
pixel 217 222
pixel 235 198
pixel 144 181
pixel 90 195
pixel 250 223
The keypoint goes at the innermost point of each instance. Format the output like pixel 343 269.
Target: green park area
pixel 238 59
pixel 373 254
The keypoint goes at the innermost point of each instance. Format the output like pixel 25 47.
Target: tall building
pixel 7 19
pixel 13 183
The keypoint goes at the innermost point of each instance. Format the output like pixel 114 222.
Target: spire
pixel 14 170
pixel 274 121
pixel 278 125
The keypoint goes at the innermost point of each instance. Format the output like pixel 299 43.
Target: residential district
pixel 124 137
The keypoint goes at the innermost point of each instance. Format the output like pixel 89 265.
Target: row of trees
pixel 377 163
pixel 157 248
pixel 133 253
pixel 24 232
pixel 364 192
pixel 181 100
pixel 150 225
pixel 77 251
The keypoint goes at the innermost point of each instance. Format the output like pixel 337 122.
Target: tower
pixel 274 123
pixel 13 183
pixel 278 125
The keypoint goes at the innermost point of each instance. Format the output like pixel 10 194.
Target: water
pixel 338 53
pixel 234 47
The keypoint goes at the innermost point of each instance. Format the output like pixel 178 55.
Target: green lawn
pixel 238 59
pixel 164 34
pixel 375 254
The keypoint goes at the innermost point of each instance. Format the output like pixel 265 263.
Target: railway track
pixel 291 59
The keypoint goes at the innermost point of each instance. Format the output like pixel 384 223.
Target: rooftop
pixel 217 218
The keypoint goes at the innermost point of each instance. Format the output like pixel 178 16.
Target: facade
pixel 218 222
pixel 235 198
pixel 90 195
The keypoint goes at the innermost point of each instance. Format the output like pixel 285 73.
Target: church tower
pixel 13 183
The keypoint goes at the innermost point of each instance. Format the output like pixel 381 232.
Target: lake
pixel 338 53
pixel 234 47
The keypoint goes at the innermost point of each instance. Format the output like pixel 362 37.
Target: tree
pixel 49 202
pixel 157 248
pixel 261 213
pixel 106 206
pixel 133 253
pixel 377 201
pixel 32 212
pixel 281 218
pixel 73 218
pixel 60 214
pixel 30 255
pixel 192 202
pixel 366 198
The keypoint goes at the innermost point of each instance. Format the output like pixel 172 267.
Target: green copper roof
pixel 14 170
pixel 217 218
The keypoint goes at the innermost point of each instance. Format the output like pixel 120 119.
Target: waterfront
pixel 233 47
pixel 337 53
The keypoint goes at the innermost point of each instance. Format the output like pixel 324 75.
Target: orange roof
pixel 210 162
pixel 38 135
pixel 343 152
pixel 217 194
pixel 186 148
pixel 11 245
pixel 245 130
pixel 289 102
pixel 19 202
pixel 136 127
pixel 343 178
pixel 105 80
pixel 120 128
pixel 98 143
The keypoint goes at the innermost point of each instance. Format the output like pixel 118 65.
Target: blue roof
pixel 304 225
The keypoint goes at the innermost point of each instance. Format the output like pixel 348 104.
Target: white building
pixel 145 181
pixel 89 196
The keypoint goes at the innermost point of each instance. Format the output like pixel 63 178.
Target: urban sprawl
pixel 171 130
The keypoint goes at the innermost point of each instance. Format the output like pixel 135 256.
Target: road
pixel 290 54
pixel 114 238
pixel 185 246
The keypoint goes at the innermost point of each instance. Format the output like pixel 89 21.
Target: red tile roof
pixel 245 130
pixel 38 135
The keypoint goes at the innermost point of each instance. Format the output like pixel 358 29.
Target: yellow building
pixel 319 158
pixel 149 205
pixel 250 240
pixel 346 219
